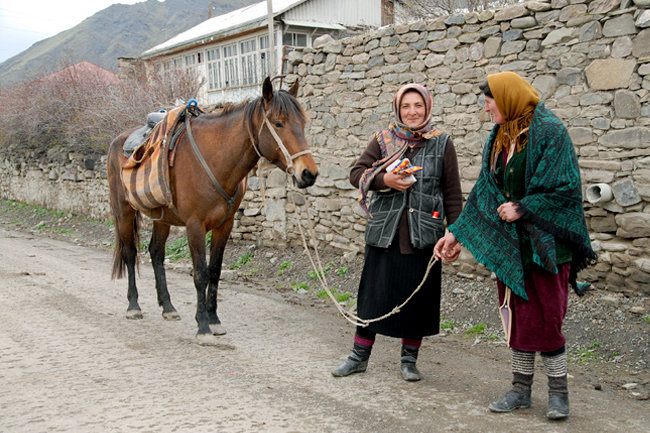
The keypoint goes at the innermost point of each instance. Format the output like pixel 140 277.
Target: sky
pixel 24 22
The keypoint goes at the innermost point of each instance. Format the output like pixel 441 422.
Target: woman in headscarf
pixel 404 222
pixel 524 220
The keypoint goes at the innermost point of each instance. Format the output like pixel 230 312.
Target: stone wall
pixel 590 61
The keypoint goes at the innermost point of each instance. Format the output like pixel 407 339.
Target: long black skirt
pixel 387 279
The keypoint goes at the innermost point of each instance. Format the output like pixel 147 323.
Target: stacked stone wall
pixel 590 62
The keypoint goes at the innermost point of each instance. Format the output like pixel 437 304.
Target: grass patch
pixel 297 286
pixel 242 261
pixel 447 324
pixel 475 330
pixel 342 271
pixel 589 353
pixel 283 267
pixel 177 250
pixel 338 295
pixel 646 318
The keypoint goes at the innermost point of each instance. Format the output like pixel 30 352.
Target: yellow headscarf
pixel 516 100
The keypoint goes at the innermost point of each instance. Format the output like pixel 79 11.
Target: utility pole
pixel 269 11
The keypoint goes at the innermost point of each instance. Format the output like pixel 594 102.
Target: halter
pixel 288 158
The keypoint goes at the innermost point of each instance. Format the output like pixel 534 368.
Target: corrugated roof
pixel 222 24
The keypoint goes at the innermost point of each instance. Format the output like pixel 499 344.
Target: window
pixel 214 69
pixel 231 71
pixel 265 60
pixel 294 39
pixel 249 62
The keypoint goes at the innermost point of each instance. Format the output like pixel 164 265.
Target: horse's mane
pixel 282 102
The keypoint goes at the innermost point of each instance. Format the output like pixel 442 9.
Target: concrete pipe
pixel 599 193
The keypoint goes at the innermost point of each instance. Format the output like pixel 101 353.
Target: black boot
pixel 558 390
pixel 410 372
pixel 518 397
pixel 357 362
pixel 558 398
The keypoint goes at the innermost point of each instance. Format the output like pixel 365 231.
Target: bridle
pixel 288 158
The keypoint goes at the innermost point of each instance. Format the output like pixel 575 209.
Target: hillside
pixel 117 31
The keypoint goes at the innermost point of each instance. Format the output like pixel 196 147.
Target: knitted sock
pixel 556 370
pixel 523 366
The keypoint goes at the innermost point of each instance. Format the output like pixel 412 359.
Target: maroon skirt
pixel 536 324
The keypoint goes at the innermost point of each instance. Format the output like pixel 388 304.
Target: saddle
pixel 145 174
pixel 140 135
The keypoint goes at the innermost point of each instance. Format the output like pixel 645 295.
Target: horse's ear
pixel 267 89
pixel 293 90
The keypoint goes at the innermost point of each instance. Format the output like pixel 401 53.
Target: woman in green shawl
pixel 524 220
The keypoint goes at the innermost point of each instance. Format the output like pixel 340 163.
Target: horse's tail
pixel 115 185
pixel 118 258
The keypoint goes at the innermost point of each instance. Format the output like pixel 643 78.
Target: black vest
pixel 423 199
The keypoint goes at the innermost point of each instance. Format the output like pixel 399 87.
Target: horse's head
pixel 280 125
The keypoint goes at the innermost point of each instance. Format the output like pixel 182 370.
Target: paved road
pixel 71 362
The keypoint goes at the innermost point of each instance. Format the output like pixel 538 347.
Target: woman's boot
pixel 523 364
pixel 410 372
pixel 357 362
pixel 558 392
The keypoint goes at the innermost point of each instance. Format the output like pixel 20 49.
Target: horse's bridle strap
pixel 287 156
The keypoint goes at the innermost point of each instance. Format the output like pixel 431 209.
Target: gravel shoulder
pixel 608 333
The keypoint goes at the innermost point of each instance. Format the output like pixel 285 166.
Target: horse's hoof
pixel 134 314
pixel 171 315
pixel 207 339
pixel 217 329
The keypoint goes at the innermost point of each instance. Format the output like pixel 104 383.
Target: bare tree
pixel 86 110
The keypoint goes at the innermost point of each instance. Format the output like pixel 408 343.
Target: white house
pixel 231 51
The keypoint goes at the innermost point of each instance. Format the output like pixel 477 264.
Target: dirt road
pixel 71 362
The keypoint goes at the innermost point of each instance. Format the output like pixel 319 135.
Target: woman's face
pixel 412 109
pixel 492 108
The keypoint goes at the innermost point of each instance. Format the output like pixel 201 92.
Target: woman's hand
pixel 396 181
pixel 447 248
pixel 508 212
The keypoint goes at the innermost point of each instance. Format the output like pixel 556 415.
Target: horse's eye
pixel 279 125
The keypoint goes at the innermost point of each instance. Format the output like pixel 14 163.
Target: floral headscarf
pixel 406 133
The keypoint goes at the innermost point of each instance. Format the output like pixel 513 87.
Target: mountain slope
pixel 117 31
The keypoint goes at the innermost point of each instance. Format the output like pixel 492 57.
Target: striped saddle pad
pixel 145 174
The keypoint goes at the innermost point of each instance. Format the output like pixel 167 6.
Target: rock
pixel 557 36
pixel 590 31
pixel 620 25
pixel 630 138
pixel 637 309
pixel 545 85
pixel 607 74
pixel 510 13
pixel 629 386
pixel 603 6
pixel 633 225
pixel 644 19
pixel 572 11
pixel 570 76
pixel 321 41
pixel 622 47
pixel 625 193
pixel 641 44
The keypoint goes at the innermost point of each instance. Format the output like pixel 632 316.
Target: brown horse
pixel 208 184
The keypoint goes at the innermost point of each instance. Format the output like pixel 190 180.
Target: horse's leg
pixel 217 247
pixel 128 232
pixel 196 243
pixel 157 252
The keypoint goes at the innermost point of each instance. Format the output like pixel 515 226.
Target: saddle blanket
pixel 145 174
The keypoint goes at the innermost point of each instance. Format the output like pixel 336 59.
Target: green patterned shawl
pixel 552 207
